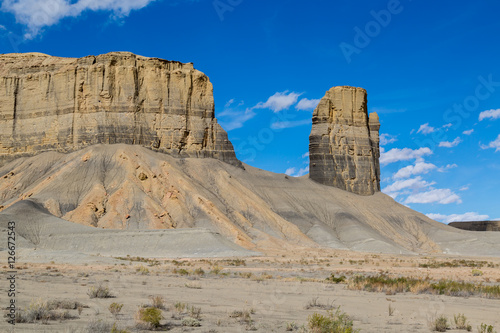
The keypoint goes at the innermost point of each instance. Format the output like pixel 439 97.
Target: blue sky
pixel 430 68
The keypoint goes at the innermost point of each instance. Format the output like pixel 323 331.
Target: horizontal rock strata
pixel 64 104
pixel 344 142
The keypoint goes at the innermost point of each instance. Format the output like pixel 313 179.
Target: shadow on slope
pixel 138 190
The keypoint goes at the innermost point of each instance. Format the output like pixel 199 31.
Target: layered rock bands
pixel 344 142
pixel 64 104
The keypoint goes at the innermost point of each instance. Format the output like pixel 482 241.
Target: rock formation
pixel 477 225
pixel 344 142
pixel 64 104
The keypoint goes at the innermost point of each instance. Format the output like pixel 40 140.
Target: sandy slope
pixel 135 189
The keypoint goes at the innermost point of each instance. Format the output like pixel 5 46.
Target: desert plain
pixel 273 293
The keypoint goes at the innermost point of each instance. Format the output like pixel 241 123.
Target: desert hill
pixel 133 188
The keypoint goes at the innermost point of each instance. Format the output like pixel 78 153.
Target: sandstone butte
pixel 344 142
pixel 65 104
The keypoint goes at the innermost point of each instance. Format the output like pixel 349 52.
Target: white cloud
pixel 307 104
pixel 426 129
pixel 449 144
pixel 468 132
pixel 447 125
pixel 289 124
pixel 279 101
pixel 37 14
pixel 413 183
pixel 405 154
pixel 235 118
pixel 464 188
pixel 386 139
pixel 2 27
pixel 447 167
pixel 493 114
pixel 305 155
pixel 442 196
pixel 417 169
pixel 469 216
pixel 493 144
pixel 228 104
pixel 294 173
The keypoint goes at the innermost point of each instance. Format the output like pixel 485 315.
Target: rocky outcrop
pixel 477 225
pixel 64 104
pixel 344 142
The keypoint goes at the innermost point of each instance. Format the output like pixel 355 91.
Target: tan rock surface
pixel 344 142
pixel 64 104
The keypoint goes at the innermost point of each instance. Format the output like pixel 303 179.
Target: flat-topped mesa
pixel 64 104
pixel 344 142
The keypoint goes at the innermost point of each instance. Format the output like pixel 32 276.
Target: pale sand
pixel 277 297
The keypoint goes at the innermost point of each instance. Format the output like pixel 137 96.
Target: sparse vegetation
pixel 477 272
pixel 98 326
pixel 115 329
pixel 440 324
pixel 193 285
pixel 314 303
pixel 455 263
pixel 461 322
pixel 216 270
pixel 333 322
pixel 149 317
pixel 157 302
pixel 99 291
pixel 194 312
pixel 180 307
pixel 391 286
pixel 334 279
pixel 115 308
pixel 190 322
pixel 236 262
pixel 150 262
pixel 142 270
pixel 40 311
pixel 484 328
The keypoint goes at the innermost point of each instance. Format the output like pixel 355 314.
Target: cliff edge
pixel 65 104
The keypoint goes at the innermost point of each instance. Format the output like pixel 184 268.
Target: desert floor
pixel 275 291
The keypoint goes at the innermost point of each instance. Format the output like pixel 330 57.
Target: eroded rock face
pixel 344 142
pixel 64 104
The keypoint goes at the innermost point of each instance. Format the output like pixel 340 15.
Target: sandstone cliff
pixel 477 225
pixel 64 104
pixel 344 142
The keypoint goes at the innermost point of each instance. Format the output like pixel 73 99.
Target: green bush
pixel 150 316
pixel 115 308
pixel 334 322
pixel 486 329
pixel 334 279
